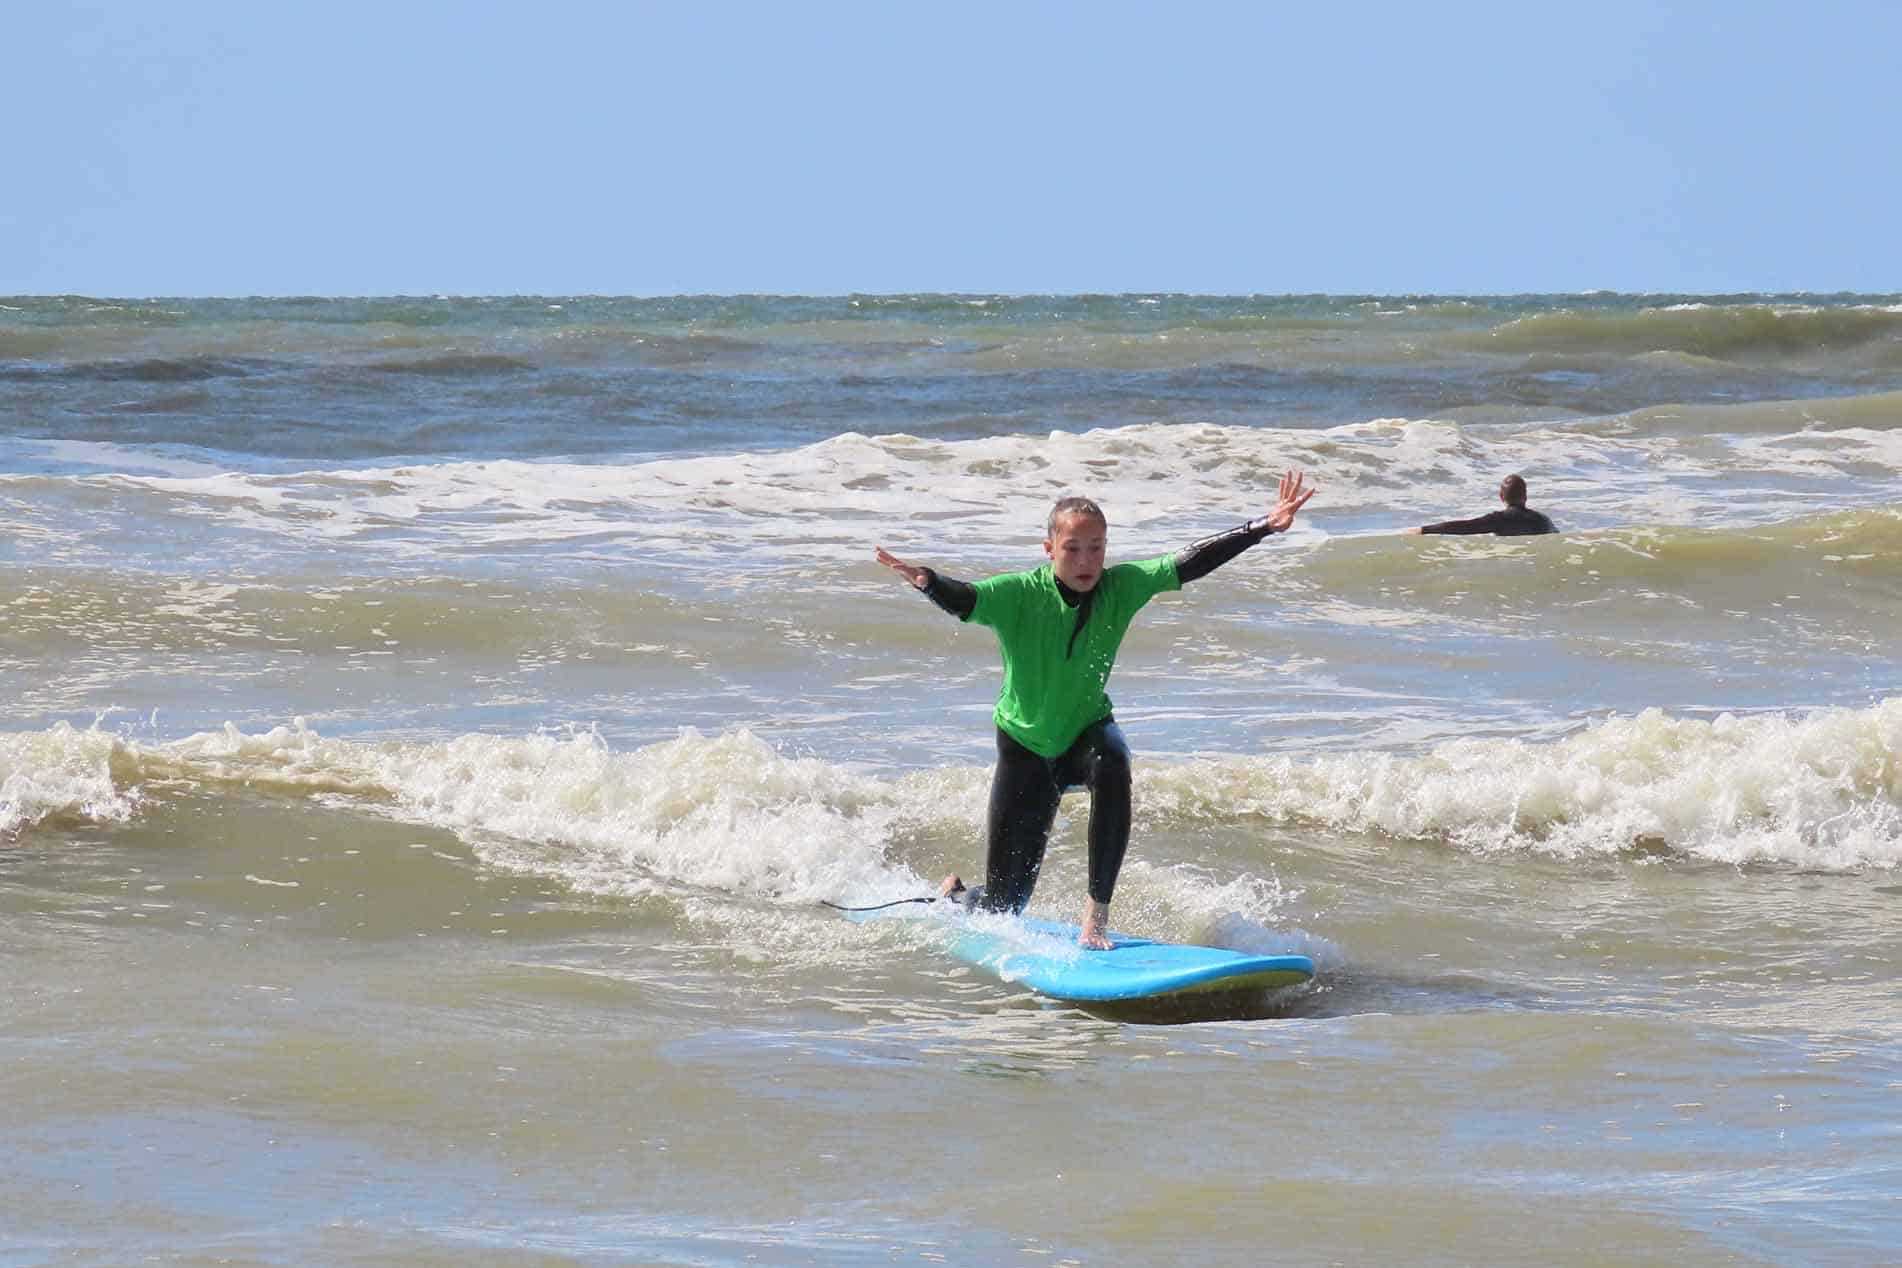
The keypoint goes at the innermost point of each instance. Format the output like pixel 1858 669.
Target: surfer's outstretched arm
pixel 1199 559
pixel 958 598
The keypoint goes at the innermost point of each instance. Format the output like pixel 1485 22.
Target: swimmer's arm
pixel 1482 524
pixel 1199 559
pixel 959 598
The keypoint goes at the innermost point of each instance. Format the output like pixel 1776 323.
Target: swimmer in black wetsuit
pixel 1517 520
pixel 1059 627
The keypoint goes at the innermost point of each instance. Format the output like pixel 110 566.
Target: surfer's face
pixel 1076 550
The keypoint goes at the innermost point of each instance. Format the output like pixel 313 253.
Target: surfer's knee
pixel 1111 768
pixel 1109 758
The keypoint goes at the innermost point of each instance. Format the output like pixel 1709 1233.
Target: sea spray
pixel 1822 790
pixel 728 812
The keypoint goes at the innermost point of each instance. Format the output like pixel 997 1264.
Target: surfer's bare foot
pixel 950 886
pixel 1095 935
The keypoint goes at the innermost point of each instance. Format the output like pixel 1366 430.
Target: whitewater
pixel 434 725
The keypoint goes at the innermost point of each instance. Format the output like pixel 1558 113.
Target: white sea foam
pixel 833 499
pixel 723 813
pixel 1822 790
pixel 727 813
pixel 61 772
pixel 1844 450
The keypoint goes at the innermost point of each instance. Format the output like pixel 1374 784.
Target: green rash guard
pixel 1054 675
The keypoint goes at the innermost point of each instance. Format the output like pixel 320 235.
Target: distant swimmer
pixel 1059 627
pixel 1517 520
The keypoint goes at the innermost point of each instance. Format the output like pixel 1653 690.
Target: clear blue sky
pixel 204 147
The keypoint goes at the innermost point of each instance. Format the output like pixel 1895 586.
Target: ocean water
pixel 432 726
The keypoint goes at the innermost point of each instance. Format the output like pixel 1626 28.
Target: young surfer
pixel 1059 626
pixel 1517 520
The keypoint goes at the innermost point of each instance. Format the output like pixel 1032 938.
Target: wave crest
pixel 1725 332
pixel 728 812
pixel 64 774
pixel 1818 791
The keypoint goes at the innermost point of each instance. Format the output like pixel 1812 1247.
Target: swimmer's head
pixel 1076 537
pixel 1512 490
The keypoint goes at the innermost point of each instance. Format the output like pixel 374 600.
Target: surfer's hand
pixel 919 577
pixel 1293 496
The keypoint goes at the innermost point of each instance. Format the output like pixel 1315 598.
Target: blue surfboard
pixel 1044 955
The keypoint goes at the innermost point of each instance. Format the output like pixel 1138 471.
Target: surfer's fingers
pixel 896 564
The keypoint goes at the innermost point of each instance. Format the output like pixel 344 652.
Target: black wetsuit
pixel 1513 521
pixel 1027 787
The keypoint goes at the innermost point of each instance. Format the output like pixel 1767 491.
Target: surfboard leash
pixel 880 906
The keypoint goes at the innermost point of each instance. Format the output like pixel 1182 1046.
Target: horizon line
pixel 434 296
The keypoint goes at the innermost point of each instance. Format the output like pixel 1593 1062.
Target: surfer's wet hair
pixel 1513 489
pixel 1067 507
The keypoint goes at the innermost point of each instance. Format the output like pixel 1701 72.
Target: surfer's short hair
pixel 1513 489
pixel 1066 507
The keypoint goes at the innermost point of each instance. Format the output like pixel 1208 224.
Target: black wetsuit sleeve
pixel 959 598
pixel 1489 523
pixel 1199 559
pixel 1515 521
